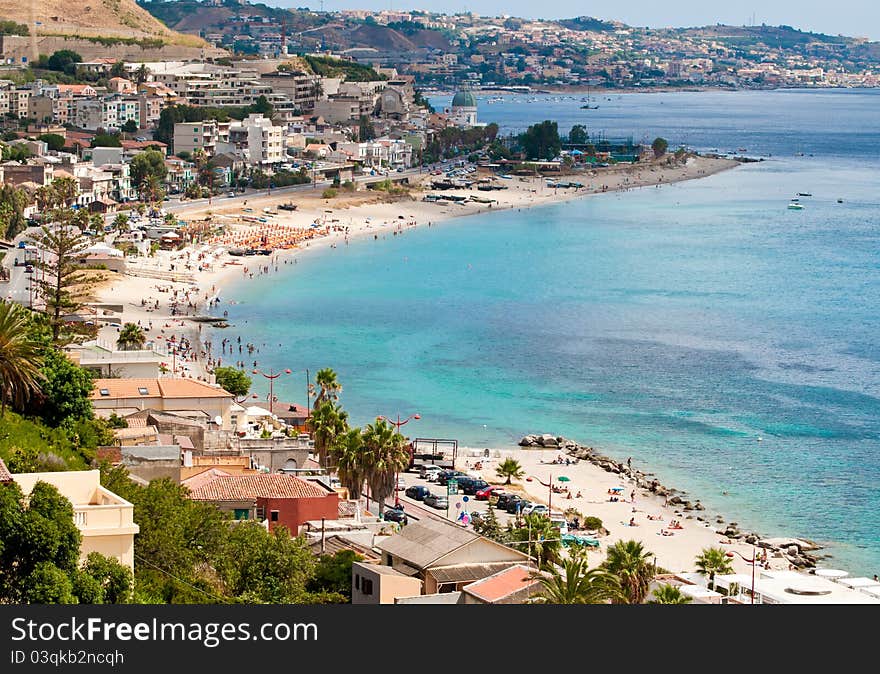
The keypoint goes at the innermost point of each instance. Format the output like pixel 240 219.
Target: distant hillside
pixel 94 18
pixel 784 37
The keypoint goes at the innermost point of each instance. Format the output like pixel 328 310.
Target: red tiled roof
pixel 156 388
pixel 264 485
pixel 5 475
pixel 201 479
pixel 111 454
pixel 502 584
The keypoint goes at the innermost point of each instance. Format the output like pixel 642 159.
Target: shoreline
pixel 205 269
pixel 593 477
pixel 358 215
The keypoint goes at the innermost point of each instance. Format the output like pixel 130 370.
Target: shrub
pixel 592 523
pixel 329 193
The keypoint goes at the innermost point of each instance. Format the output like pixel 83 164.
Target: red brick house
pixel 283 500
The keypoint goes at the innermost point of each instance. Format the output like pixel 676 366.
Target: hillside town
pixel 144 423
pixel 446 50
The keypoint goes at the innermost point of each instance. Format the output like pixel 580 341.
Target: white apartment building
pixel 259 141
pixel 192 136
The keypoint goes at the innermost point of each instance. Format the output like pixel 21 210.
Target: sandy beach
pixel 675 551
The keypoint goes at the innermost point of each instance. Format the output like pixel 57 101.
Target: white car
pixel 536 509
pixel 430 472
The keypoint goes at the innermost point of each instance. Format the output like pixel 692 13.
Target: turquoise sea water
pixel 673 325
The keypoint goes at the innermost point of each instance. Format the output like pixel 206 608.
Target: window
pixel 242 514
pixel 273 515
pixel 357 581
pixel 143 390
pixel 104 392
pixel 367 586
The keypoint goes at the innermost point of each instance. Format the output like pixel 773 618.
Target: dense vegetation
pixel 326 66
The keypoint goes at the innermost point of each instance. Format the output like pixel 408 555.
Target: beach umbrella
pixel 562 478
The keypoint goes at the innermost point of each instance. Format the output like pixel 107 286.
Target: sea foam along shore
pixel 148 282
pixel 595 475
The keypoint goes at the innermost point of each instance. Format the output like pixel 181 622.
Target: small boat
pixel 287 206
pixel 804 194
pixel 840 201
pixel 795 206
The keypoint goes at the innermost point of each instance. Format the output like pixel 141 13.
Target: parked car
pixel 536 509
pixel 29 269
pixel 395 515
pixel 437 501
pixel 515 502
pixel 444 475
pixel 427 469
pixel 487 492
pixel 418 492
pixel 475 485
pixel 504 499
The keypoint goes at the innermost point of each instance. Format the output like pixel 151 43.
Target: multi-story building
pixel 105 520
pixel 18 102
pixel 258 139
pixel 192 136
pixel 299 87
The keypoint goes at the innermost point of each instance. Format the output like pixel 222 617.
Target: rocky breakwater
pixel 795 551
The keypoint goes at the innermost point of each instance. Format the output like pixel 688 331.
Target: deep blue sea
pixel 674 325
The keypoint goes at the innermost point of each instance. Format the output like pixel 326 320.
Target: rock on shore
pixel 794 550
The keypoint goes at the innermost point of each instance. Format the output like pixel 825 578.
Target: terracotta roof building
pixel 188 397
pixel 283 500
pixel 513 585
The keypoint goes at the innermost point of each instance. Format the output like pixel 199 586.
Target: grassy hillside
pixel 90 18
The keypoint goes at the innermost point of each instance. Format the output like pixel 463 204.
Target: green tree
pixel 347 453
pixel 233 380
pixel 541 141
pixel 112 578
pixel 13 201
pixel 20 358
pixel 64 60
pixel 538 537
pixel 106 140
pixel 130 126
pixel 669 594
pixel 62 284
pixel 578 135
pixel 120 222
pixel 634 568
pixel 131 337
pixel 489 526
pixel 366 130
pixel 327 422
pixel 326 386
pixel 178 543
pixel 265 568
pixel 65 389
pixel 659 146
pixel 576 583
pixel 510 469
pixel 712 561
pixel 333 573
pixel 54 141
pixel 385 456
pixel 39 545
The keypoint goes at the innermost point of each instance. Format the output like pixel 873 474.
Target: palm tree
pixel 511 469
pixel 328 386
pixel 348 454
pixel 385 455
pixel 131 337
pixel 712 561
pixel 577 584
pixel 20 358
pixel 539 537
pixel 327 422
pixel 633 566
pixel 669 594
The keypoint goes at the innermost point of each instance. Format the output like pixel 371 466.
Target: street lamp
pixel 398 424
pixel 752 561
pixel 272 376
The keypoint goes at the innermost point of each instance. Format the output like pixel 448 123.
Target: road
pixel 175 205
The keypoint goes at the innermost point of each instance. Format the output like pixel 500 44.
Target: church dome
pixel 464 99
